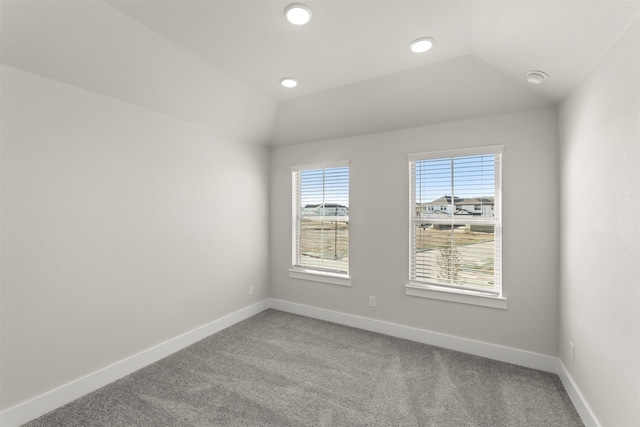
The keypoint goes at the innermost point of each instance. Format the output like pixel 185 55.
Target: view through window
pixel 321 218
pixel 455 219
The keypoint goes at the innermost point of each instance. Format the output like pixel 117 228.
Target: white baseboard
pixel 64 394
pixel 584 410
pixel 478 348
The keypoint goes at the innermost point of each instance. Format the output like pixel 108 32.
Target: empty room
pixel 326 213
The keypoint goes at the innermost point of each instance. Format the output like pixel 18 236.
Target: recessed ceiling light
pixel 420 45
pixel 297 13
pixel 536 77
pixel 289 82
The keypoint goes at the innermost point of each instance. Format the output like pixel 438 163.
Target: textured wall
pixel 437 93
pixel 121 228
pixel 379 221
pixel 600 240
pixel 91 45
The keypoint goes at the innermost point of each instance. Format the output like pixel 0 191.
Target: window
pixel 320 217
pixel 457 249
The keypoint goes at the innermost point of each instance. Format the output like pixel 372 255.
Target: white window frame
pixel 300 272
pixel 438 291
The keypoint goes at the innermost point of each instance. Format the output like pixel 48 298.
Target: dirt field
pixel 430 238
pixel 326 245
pixel 327 239
pixel 331 239
pixel 474 252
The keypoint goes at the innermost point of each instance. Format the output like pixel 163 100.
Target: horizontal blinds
pixel 455 221
pixel 321 226
pixel 295 217
pixel 477 151
pixel 344 163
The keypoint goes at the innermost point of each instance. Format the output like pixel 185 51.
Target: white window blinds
pixel 455 215
pixel 320 217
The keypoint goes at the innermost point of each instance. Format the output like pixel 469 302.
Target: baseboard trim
pixel 40 405
pixel 492 351
pixel 64 394
pixel 584 410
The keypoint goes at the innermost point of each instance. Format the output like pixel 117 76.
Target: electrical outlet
pixel 572 351
pixel 372 301
pixel 250 289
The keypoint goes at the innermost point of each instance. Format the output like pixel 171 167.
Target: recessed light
pixel 536 77
pixel 297 13
pixel 421 45
pixel 288 82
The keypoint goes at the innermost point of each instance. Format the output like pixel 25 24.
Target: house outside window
pixel 320 223
pixel 456 248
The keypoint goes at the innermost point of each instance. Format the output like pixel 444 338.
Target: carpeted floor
pixel 279 369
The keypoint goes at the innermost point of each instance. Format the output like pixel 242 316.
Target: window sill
pixel 454 295
pixel 317 276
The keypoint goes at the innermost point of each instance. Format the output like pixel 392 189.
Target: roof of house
pixel 326 205
pixel 445 200
pixel 478 201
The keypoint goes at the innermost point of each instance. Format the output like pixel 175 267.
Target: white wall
pixel 92 45
pixel 121 228
pixel 379 198
pixel 600 234
pixel 415 97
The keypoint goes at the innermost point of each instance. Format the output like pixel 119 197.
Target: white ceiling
pixel 436 93
pixel 349 41
pixel 218 63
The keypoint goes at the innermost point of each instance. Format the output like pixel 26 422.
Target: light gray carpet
pixel 279 369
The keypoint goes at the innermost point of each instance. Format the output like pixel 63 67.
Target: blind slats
pixel 321 218
pixel 455 220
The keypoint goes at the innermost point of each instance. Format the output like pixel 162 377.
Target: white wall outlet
pixel 572 352
pixel 372 301
pixel 250 289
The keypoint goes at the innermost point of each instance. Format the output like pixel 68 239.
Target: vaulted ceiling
pixel 352 59
pixel 351 41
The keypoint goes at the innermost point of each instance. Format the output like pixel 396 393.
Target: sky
pixel 334 182
pixel 473 176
